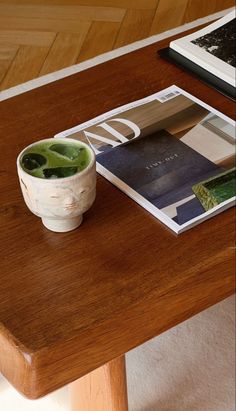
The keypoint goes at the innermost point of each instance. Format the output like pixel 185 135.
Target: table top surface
pixel 71 302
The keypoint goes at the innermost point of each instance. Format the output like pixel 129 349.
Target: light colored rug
pixel 188 368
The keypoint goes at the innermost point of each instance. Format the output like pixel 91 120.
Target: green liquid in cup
pixel 51 160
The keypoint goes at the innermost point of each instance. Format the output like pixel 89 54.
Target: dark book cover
pixel 208 78
pixel 160 167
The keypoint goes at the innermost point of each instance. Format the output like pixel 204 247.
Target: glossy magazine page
pixel 212 48
pixel 170 152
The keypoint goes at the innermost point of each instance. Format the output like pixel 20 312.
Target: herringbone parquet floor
pixel 41 36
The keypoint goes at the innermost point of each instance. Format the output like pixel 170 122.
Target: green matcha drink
pixel 52 160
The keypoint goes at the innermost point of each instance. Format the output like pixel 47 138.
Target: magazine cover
pixel 170 152
pixel 212 48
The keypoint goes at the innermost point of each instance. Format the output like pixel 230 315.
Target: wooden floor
pixel 41 36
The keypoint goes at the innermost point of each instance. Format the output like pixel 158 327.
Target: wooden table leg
pixel 104 389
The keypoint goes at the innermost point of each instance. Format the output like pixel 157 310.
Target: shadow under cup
pixel 58 181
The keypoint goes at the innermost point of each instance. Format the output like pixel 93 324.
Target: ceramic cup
pixel 60 202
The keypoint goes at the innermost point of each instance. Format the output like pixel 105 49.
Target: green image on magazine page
pixel 215 190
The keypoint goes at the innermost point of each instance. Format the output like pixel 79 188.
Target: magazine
pixel 170 152
pixel 212 48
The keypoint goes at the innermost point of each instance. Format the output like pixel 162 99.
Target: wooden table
pixel 72 302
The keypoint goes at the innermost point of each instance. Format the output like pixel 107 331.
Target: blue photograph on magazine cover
pixel 161 168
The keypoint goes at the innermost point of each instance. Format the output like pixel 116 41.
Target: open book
pixel 170 152
pixel 209 53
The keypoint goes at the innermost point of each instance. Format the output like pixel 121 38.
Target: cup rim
pixel 52 181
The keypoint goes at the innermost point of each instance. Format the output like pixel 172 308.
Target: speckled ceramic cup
pixel 59 202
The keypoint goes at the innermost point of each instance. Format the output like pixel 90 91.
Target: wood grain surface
pixel 72 302
pixel 75 30
pixel 104 389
